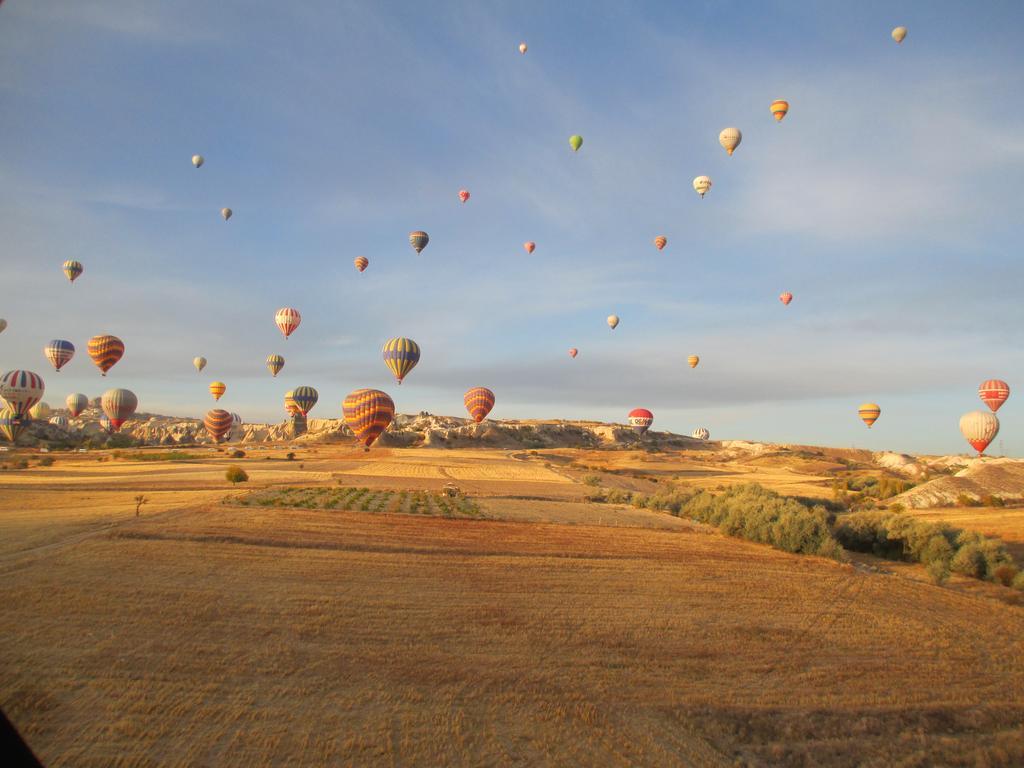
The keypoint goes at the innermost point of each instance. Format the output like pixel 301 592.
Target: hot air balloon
pixel 298 424
pixel 73 269
pixel 59 352
pixel 613 320
pixel 418 240
pixel 660 242
pixel 786 297
pixel 105 351
pixel 368 412
pixel 106 426
pixel 899 33
pixel 21 390
pixel 869 413
pixel 217 389
pixel 227 213
pixel 640 419
pixel 40 411
pixel 980 428
pixel 287 320
pixel 522 47
pixel 463 195
pixel 576 141
pixel 197 160
pixel 478 401
pixel 199 363
pixel 361 263
pixel 304 398
pixel 701 185
pixel 573 352
pixel 993 393
pixel 289 403
pixel 701 433
pixel 730 138
pixel 76 403
pixel 274 364
pixel 60 421
pixel 529 245
pixel 692 361
pixel 779 109
pixel 218 424
pixel 236 420
pixel 3 325
pixel 401 356
pixel 12 425
pixel 118 405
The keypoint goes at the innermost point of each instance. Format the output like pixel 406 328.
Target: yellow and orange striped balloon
pixel 105 351
pixel 478 401
pixel 869 413
pixel 779 109
pixel 217 389
pixel 368 412
pixel 692 360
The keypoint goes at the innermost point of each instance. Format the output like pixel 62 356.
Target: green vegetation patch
pixel 362 500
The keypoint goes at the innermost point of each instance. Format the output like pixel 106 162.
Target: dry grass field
pixel 555 632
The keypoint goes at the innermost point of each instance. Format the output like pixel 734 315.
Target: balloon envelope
pixel 368 412
pixel 287 320
pixel 59 352
pixel 786 297
pixel 40 410
pixel 227 213
pixel 21 390
pixel 60 421
pixel 994 393
pixel 12 425
pixel 692 361
pixel 199 363
pixel 463 195
pixel 576 141
pixel 779 109
pixel 274 364
pixel 105 351
pixel 478 401
pixel 730 138
pixel 573 352
pixel 899 33
pixel 660 242
pixel 118 405
pixel 640 419
pixel 979 428
pixel 361 263
pixel 197 160
pixel 522 48
pixel 217 389
pixel 401 356
pixel 218 424
pixel 418 240
pixel 869 413
pixel 701 185
pixel 72 269
pixel 529 245
pixel 3 324
pixel 76 403
pixel 701 433
pixel 305 398
pixel 613 320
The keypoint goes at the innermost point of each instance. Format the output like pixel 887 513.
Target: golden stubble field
pixel 561 633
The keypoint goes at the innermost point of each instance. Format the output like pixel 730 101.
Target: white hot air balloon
pixel 701 433
pixel 979 428
pixel 613 320
pixel 701 185
pixel 730 138
pixel 197 160
pixel 899 33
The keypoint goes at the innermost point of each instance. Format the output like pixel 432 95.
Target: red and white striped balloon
pixel 994 393
pixel 287 320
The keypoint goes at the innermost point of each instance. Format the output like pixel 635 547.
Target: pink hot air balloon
pixel 786 297
pixel 463 195
pixel 573 352
pixel 287 320
pixel 529 245
pixel 993 393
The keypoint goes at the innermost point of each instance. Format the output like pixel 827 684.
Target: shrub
pixel 938 571
pixel 989 500
pixel 20 464
pixel 963 500
pixel 238 453
pixel 236 474
pixel 290 456
pixel 970 561
pixel 1018 581
pixel 1005 574
pixel 46 461
pixel 592 480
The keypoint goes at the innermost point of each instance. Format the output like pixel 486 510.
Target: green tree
pixel 236 474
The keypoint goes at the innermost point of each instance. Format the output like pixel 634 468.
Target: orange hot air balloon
pixel 869 413
pixel 786 297
pixel 573 352
pixel 368 412
pixel 478 401
pixel 105 351
pixel 361 263
pixel 994 393
pixel 779 109
pixel 463 195
pixel 217 389
pixel 660 242
pixel 529 245
pixel 692 360
pixel 218 423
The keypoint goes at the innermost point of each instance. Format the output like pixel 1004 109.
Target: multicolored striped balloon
pixel 40 410
pixel 106 426
pixel 640 419
pixel 105 351
pixel 217 389
pixel 60 421
pixel 786 297
pixel 12 425
pixel 361 263
pixel 980 428
pixel 304 398
pixel 287 320
pixel 299 425
pixel 72 269
pixel 59 352
pixel 217 423
pixel 274 364
pixel 118 405
pixel 692 361
pixel 701 433
pixel 994 393
pixel 236 420
pixel 21 390
pixel 401 356
pixel 869 413
pixel 779 108
pixel 368 412
pixel 660 242
pixel 76 403
pixel 289 403
pixel 478 401
pixel 418 240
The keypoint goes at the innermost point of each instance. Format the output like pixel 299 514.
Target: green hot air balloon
pixel 576 141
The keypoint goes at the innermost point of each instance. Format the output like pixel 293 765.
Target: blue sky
pixel 887 201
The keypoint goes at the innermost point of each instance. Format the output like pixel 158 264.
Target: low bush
pixel 594 480
pixel 236 474
pixel 237 453
pixel 46 461
pixel 1005 574
pixel 1018 581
